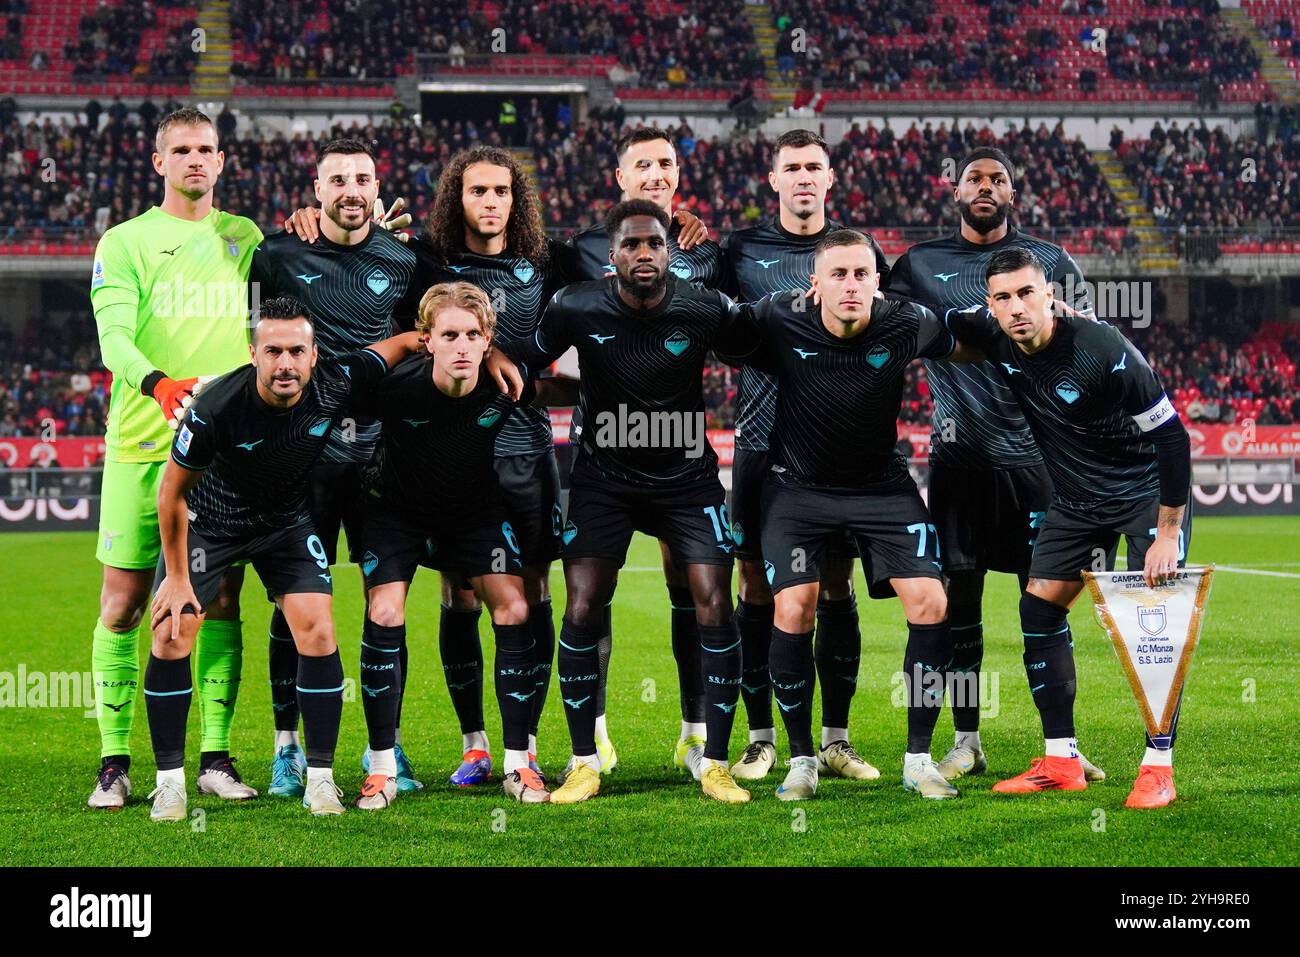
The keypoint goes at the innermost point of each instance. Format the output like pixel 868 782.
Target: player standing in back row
pixel 156 281
pixel 989 488
pixel 777 256
pixel 355 280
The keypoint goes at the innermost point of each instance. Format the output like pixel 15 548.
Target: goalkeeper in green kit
pixel 170 295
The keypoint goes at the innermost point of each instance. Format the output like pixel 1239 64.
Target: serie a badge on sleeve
pixel 1155 632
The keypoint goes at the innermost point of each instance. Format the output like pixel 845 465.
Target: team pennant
pixel 1154 631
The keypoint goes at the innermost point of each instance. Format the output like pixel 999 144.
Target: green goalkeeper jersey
pixel 172 295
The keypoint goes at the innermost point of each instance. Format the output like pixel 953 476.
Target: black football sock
pixel 604 648
pixel 754 625
pixel 963 678
pixel 793 672
pixel 284 673
pixel 122 761
pixel 838 650
pixel 462 665
pixel 381 681
pixel 320 699
pixel 577 661
pixel 209 758
pixel 167 693
pixel 402 656
pixel 721 663
pixel 1165 742
pixel 515 683
pixel 1049 663
pixel 928 649
pixel 542 626
pixel 686 652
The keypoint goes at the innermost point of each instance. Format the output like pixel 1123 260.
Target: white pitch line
pixel 1255 571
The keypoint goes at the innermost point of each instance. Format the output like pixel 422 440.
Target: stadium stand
pixel 887 181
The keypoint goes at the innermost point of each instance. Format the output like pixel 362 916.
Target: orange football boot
pixel 1046 774
pixel 1153 788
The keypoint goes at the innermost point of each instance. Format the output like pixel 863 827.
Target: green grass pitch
pixel 1236 776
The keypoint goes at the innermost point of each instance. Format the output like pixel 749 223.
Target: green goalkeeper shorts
pixel 128 514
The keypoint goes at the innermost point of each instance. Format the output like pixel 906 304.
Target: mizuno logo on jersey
pixel 1119 366
pixel 413 423
pixel 458 269
pixel 767 263
pixel 248 446
pixel 378 282
pixel 600 340
pixel 320 428
pixel 877 357
pixel 1011 370
pixel 944 276
pixel 1069 392
pixel 677 343
pixel 169 252
pixel 802 353
pixel 194 416
pixel 309 279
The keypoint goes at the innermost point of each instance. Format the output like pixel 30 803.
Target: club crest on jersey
pixel 680 269
pixel 737 533
pixel 489 418
pixel 232 245
pixel 320 428
pixel 570 533
pixel 524 271
pixel 369 562
pixel 877 357
pixel 1068 392
pixel 677 343
pixel 378 282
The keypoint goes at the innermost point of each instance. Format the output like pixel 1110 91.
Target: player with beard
pixel 356 281
pixel 644 464
pixel 648 168
pixel 777 256
pixel 1120 460
pixel 236 489
pixel 485 228
pixel 989 488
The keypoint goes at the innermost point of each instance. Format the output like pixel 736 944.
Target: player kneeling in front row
pixel 839 363
pixel 235 489
pixel 432 498
pixel 1120 461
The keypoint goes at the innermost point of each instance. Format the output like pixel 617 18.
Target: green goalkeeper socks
pixel 115 663
pixel 219 656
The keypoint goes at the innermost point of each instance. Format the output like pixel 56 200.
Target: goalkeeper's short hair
pixel 185 116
